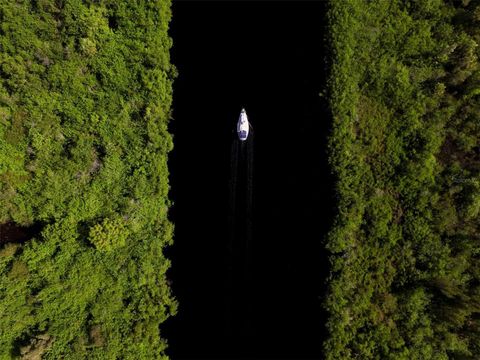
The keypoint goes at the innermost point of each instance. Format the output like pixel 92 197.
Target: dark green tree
pixel 404 96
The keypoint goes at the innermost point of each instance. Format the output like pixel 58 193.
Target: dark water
pixel 249 274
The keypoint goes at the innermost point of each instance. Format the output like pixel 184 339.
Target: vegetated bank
pixel 85 95
pixel 404 91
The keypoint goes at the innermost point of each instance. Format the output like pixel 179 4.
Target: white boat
pixel 243 126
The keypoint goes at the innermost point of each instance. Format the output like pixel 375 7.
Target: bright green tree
pixel 85 97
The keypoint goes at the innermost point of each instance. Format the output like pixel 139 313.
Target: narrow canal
pixel 269 58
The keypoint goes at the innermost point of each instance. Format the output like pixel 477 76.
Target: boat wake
pixel 239 263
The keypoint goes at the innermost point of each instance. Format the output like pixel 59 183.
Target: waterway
pixel 264 302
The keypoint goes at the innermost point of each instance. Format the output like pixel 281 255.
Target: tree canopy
pixel 404 94
pixel 85 97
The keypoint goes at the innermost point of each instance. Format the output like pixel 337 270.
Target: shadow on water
pixel 257 293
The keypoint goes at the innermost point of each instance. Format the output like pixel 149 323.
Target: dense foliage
pixel 85 96
pixel 404 91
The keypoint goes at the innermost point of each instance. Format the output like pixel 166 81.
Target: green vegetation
pixel 85 96
pixel 404 91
